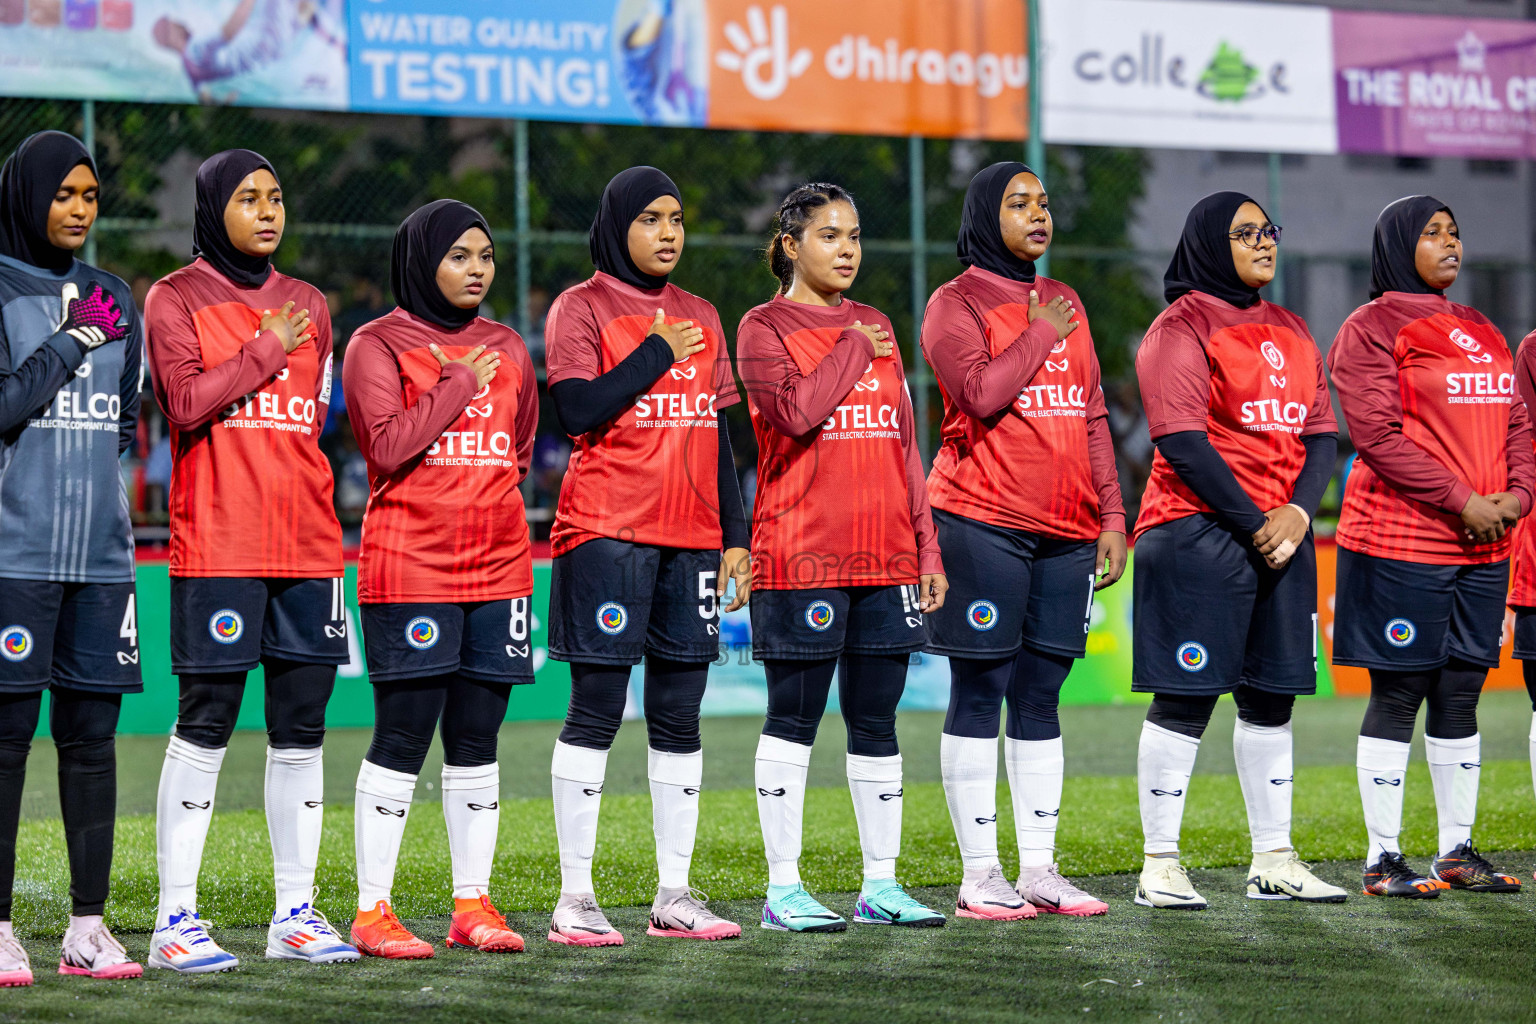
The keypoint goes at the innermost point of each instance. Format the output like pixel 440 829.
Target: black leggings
pixel 1190 715
pixel 673 692
pixel 407 712
pixel 296 696
pixel 84 727
pixel 1451 692
pixel 868 688
pixel 1528 668
pixel 1030 679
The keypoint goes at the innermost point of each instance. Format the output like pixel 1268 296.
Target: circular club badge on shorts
pixel 226 626
pixel 1401 632
pixel 421 632
pixel 15 643
pixel 982 615
pixel 1192 656
pixel 612 617
pixel 819 615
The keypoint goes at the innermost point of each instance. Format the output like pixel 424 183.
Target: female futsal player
pixel 1027 506
pixel 1226 575
pixel 846 562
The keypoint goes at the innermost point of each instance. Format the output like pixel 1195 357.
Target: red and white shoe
pixel 682 914
pixel 577 921
pixel 15 966
pixel 1049 893
pixel 91 951
pixel 378 932
pixel 991 898
pixel 483 928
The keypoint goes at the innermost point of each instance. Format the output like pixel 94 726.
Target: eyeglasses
pixel 1250 235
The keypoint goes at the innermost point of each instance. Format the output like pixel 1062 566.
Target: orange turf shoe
pixel 478 925
pixel 378 932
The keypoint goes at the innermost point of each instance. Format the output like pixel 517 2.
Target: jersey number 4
pixel 129 631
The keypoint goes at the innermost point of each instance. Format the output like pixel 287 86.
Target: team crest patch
pixel 15 643
pixel 982 615
pixel 1401 632
pixel 422 632
pixel 226 626
pixel 612 618
pixel 1192 656
pixel 1272 355
pixel 819 615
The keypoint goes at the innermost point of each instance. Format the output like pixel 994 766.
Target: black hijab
pixel 981 234
pixel 28 182
pixel 421 242
pixel 626 196
pixel 1203 260
pixel 1397 238
pixel 217 180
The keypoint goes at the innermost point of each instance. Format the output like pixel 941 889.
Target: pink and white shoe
pixel 91 951
pixel 1045 889
pixel 682 914
pixel 577 921
pixel 15 966
pixel 991 898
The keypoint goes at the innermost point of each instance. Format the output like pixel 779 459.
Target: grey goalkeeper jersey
pixel 65 418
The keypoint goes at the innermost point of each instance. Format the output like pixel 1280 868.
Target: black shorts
pixel 824 622
pixel 1008 588
pixel 1208 614
pixel 229 624
pixel 1525 634
pixel 484 640
pixel 1406 616
pixel 612 603
pixel 81 636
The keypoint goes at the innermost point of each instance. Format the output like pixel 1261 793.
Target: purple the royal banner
pixel 1435 86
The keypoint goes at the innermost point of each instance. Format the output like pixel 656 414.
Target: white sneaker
pixel 577 921
pixel 991 898
pixel 15 966
pixel 1164 884
pixel 306 935
pixel 184 946
pixel 1283 876
pixel 91 950
pixel 1049 893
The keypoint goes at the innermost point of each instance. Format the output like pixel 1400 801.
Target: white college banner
pixel 1188 75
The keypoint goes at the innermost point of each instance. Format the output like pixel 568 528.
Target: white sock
pixel 383 803
pixel 1164 761
pixel 1264 771
pixel 7 930
pixel 1454 767
pixel 969 766
pixel 183 809
pixel 1533 750
pixel 295 790
pixel 77 925
pixel 1380 766
pixel 875 783
pixel 472 812
pixel 576 774
pixel 781 771
pixel 675 782
pixel 1035 768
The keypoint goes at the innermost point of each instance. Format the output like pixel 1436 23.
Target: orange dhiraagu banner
pixel 924 67
pixel 1356 682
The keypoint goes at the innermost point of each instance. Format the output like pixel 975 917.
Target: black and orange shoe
pixel 1391 876
pixel 1465 868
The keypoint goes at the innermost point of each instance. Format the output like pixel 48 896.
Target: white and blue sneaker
pixel 884 901
pixel 184 946
pixel 306 935
pixel 789 908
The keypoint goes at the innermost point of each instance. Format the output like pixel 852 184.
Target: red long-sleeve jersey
pixel 1522 565
pixel 445 519
pixel 250 490
pixel 841 499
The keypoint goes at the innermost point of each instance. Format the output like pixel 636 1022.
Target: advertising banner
pixel 1168 73
pixel 1432 86
pixel 272 53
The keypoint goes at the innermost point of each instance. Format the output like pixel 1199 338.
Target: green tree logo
pixel 1228 77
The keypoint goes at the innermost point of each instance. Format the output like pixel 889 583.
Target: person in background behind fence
pixel 1028 512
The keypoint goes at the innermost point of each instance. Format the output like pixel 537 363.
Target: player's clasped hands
pixel 289 325
pixel 477 359
pixel 880 338
pixel 1486 517
pixel 683 337
pixel 1282 533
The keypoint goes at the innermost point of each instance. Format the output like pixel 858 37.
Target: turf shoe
pixel 884 901
pixel 681 913
pixel 1283 876
pixel 1049 893
pixel 92 952
pixel 789 908
pixel 1465 868
pixel 184 946
pixel 378 932
pixel 305 934
pixel 1164 885
pixel 577 921
pixel 15 965
pixel 481 926
pixel 991 898
pixel 1391 876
